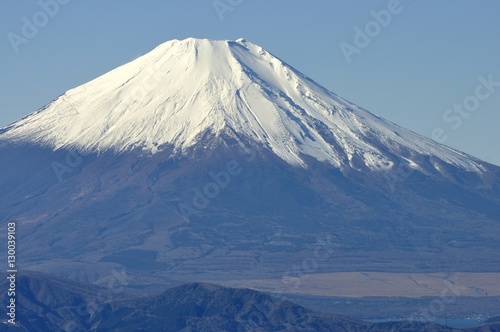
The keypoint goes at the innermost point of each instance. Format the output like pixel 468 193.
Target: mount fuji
pixel 212 160
pixel 183 90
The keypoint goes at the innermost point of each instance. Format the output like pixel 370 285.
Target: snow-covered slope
pixel 182 89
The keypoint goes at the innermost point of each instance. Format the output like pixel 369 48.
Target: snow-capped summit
pixel 182 89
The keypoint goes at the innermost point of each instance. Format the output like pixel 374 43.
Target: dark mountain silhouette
pixel 51 304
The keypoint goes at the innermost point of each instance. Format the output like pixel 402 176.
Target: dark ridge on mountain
pixel 48 303
pixel 52 304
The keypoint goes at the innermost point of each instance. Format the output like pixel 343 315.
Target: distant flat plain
pixel 365 284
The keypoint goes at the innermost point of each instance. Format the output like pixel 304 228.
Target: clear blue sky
pixel 415 67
